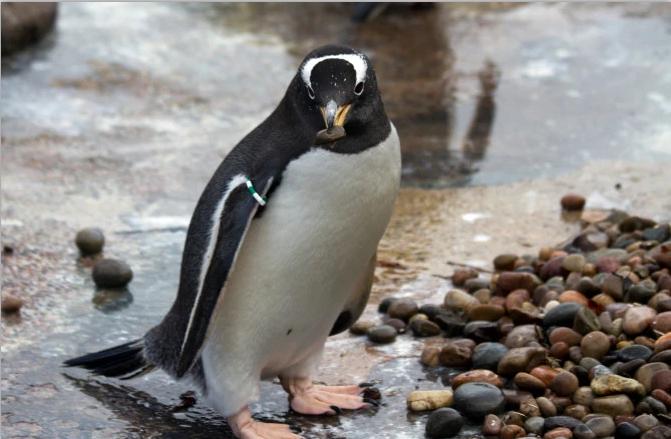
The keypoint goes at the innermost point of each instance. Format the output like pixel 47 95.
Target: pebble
pixel 634 352
pixel 661 380
pixel 382 334
pixel 461 275
pixel 486 312
pixel 566 335
pixel 530 383
pixel 561 421
pixel 613 405
pixel 613 285
pixel 557 433
pixel 521 336
pixel 397 324
pixel 614 384
pixel 458 300
pixel 430 356
pixel 403 309
pixel 361 327
pixel 11 303
pixel 455 355
pixel 444 422
pixel 513 280
pixel 627 430
pixel 572 202
pixel 487 355
pixel 512 431
pixel 564 384
pixel 602 426
pixel 596 344
pixel 505 262
pixel 577 411
pixel 424 328
pixel 561 315
pixel 90 241
pixel 384 305
pixel 423 400
pixel 662 322
pixel 586 321
pixel 529 407
pixel 476 376
pixel 430 310
pixel 645 422
pixel 637 319
pixel 534 425
pixel 475 400
pixel 645 373
pixel 112 273
pixel 583 396
pixel 546 406
pixel 574 263
pixel 582 431
pixel 519 359
pixel 491 425
pixel 453 326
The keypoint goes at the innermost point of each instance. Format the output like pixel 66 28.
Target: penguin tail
pixel 125 361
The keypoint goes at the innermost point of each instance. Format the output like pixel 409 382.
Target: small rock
pixel 461 275
pixel 645 422
pixel 574 263
pixel 384 305
pixel 444 422
pixel 576 411
pixel 476 376
pixel 361 327
pixel 476 400
pixel 613 285
pixel 561 422
pixel 90 241
pixel 614 405
pixel 637 319
pixel 430 356
pixel 458 300
pixel 398 324
pixel 521 336
pixel 403 309
pixel 634 223
pixel 453 326
pixel 602 426
pixel 519 359
pixel 614 384
pixel 512 280
pixel 424 328
pixel 572 202
pixel 586 321
pixel 529 407
pixel 512 431
pixel 634 352
pixel 566 335
pixel 487 355
pixel 564 384
pixel 455 355
pixel 491 425
pixel 430 310
pixel 661 380
pixel 645 373
pixel 112 273
pixel 627 430
pixel 534 425
pixel 11 303
pixel 583 396
pixel 423 400
pixel 658 432
pixel 505 262
pixel 561 315
pixel 482 330
pixel 595 345
pixel 546 406
pixel 558 433
pixel 662 322
pixel 382 334
pixel 486 312
pixel 582 431
pixel 530 383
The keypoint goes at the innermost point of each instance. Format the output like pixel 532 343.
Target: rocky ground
pixel 533 104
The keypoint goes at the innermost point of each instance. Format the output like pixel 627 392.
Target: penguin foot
pixel 245 427
pixel 309 399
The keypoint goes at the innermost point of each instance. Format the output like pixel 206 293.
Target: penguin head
pixel 338 85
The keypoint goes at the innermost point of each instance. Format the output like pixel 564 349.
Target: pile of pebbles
pixel 574 342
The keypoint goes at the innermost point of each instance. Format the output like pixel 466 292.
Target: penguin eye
pixel 358 89
pixel 311 92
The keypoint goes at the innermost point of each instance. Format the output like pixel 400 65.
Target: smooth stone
pixel 455 355
pixel 602 426
pixel 613 285
pixel 661 380
pixel 487 355
pixel 519 359
pixel 662 322
pixel 650 404
pixel 111 273
pixel 397 324
pixel 525 381
pixel 458 300
pixel 534 425
pixel 558 433
pixel 529 407
pixel 491 425
pixel 596 344
pixel 560 421
pixel 361 327
pixel 90 241
pixel 403 309
pixel 423 400
pixel 566 335
pixel 444 422
pixel 475 284
pixel 658 233
pixel 424 328
pixel 521 336
pixel 11 303
pixel 431 310
pixel 452 325
pixel 430 356
pixel 487 312
pixel 477 376
pixel 512 280
pixel 613 405
pixel 512 431
pixel 572 202
pixel 639 294
pixel 637 319
pixel 505 262
pixel 627 430
pixel 564 384
pixel 645 422
pixel 546 406
pixel 574 263
pixel 573 296
pixel 583 396
pixel 384 305
pixel 561 315
pixel 484 295
pixel 576 411
pixel 475 400
pixel 658 432
pixel 634 352
pixel 461 275
pixel 482 330
pixel 628 368
pixel 582 431
pixel 645 373
pixel 382 334
pixel 586 321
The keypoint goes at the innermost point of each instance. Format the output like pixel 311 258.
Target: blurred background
pixel 116 115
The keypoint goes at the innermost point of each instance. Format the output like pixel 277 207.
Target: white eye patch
pixel 357 61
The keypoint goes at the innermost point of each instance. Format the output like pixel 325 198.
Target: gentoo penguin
pixel 281 250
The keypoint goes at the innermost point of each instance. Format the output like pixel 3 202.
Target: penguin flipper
pixel 238 210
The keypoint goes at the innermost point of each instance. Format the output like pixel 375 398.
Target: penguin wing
pixel 230 221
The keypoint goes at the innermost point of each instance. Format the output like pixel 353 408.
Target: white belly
pixel 301 260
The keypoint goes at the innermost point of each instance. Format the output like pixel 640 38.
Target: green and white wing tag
pixel 259 199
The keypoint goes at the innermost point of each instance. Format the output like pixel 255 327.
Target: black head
pixel 337 86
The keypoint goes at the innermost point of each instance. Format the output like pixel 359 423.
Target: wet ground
pixel 119 118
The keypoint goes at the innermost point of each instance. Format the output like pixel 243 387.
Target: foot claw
pixel 310 399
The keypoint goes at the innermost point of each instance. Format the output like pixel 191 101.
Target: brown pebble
pixel 403 309
pixel 663 396
pixel 637 319
pixel 461 275
pixel 595 345
pixel 546 407
pixel 529 382
pixel 559 432
pixel 361 327
pixel 572 202
pixel 455 355
pixel 512 431
pixel 11 303
pixel 544 373
pixel 577 411
pixel 564 384
pixel 529 407
pixel 662 322
pixel 559 350
pixel 477 376
pixel 661 380
pixel 663 342
pixel 486 312
pixel 567 335
pixel 430 356
pixel 491 425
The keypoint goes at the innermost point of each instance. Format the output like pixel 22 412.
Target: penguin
pixel 280 251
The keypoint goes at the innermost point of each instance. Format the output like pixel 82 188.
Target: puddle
pixel 507 107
